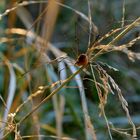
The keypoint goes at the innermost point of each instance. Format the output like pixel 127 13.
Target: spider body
pixel 82 60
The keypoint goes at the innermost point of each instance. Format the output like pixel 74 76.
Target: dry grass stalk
pixel 102 100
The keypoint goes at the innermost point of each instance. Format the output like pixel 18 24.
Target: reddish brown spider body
pixel 82 60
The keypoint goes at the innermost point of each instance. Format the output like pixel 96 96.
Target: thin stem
pixel 49 96
pixel 90 22
pixel 131 26
pixel 102 106
pixel 123 12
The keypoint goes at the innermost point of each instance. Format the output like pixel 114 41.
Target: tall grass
pixel 41 82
